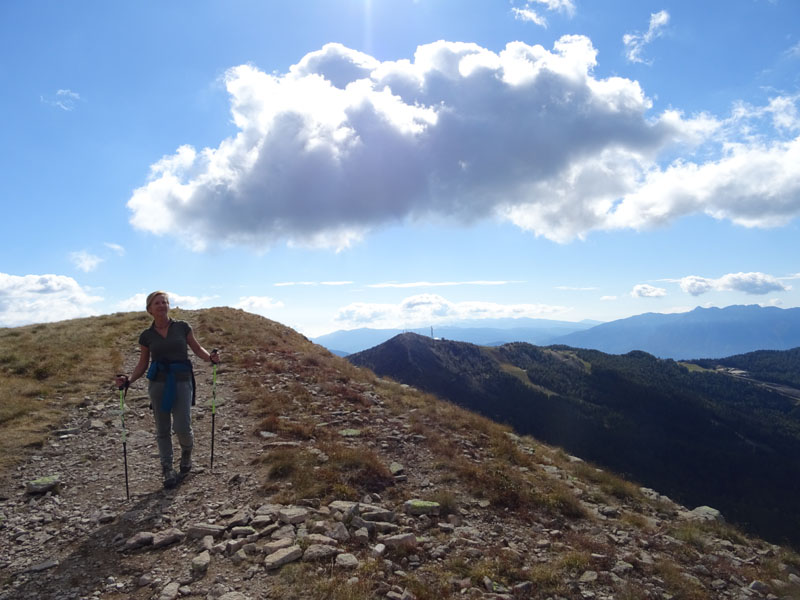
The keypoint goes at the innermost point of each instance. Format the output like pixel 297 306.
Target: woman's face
pixel 159 305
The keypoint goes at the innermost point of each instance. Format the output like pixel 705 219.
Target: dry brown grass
pixel 346 473
pixel 608 482
pixel 430 588
pixel 678 584
pixel 322 582
pixel 693 534
pixel 302 580
pixel 48 368
pixel 636 520
pixel 549 579
pixel 447 501
pixel 506 487
pixel 507 475
pixel 349 392
pixel 632 591
pixel 597 545
pixel 773 569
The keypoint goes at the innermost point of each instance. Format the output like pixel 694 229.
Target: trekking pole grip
pixel 125 385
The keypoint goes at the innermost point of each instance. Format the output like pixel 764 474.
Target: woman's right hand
pixel 122 381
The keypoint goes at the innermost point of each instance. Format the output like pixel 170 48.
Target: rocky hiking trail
pixel 221 534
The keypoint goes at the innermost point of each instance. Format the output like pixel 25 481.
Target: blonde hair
pixel 152 297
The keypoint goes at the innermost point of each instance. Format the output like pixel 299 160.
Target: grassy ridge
pixel 474 466
pixel 48 368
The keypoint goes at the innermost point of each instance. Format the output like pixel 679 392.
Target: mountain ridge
pixel 481 331
pixel 700 333
pixel 697 334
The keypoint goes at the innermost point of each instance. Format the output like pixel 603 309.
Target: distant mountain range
pixel 700 435
pixel 486 332
pixel 701 333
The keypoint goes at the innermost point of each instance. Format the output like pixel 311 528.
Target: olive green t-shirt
pixel 174 347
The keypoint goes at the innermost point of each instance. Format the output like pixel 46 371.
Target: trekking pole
pixel 122 395
pixel 213 408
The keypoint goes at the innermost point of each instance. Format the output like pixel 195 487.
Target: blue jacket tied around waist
pixel 170 368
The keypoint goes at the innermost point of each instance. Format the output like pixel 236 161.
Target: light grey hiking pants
pixel 179 419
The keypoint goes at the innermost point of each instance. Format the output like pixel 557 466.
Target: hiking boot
pixel 186 461
pixel 170 478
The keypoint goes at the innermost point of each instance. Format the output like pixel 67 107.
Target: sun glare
pixel 368 26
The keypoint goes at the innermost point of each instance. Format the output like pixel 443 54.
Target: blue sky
pixel 334 164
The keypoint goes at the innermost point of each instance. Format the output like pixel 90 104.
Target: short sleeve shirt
pixel 174 347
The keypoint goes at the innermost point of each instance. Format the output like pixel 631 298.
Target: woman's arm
pixel 139 369
pixel 199 350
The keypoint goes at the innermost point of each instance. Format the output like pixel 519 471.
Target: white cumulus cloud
pixel 756 185
pixel 429 309
pixel 342 144
pixel 749 283
pixel 43 298
pixel 696 286
pixel 644 290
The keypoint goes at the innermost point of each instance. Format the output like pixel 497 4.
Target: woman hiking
pixel 164 356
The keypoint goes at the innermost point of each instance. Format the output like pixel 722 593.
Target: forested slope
pixel 700 436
